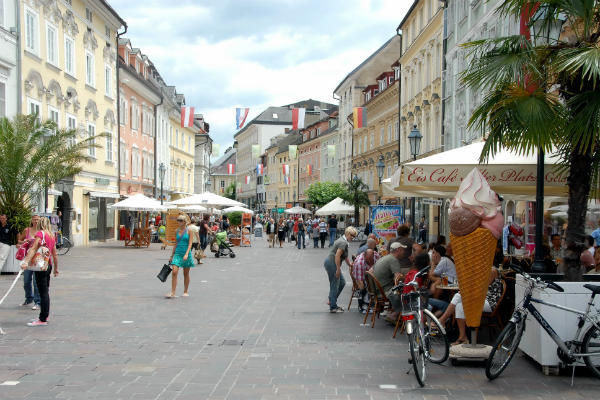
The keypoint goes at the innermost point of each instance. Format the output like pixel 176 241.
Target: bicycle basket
pixel 411 301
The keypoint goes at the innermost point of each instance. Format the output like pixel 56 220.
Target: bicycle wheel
pixel 504 349
pixel 417 354
pixel 591 343
pixel 64 247
pixel 435 340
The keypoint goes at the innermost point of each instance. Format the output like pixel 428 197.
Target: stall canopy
pixel 297 210
pixel 139 202
pixel 237 209
pixel 193 209
pixel 207 199
pixel 508 173
pixel 336 206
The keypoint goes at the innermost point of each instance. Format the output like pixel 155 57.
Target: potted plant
pixel 235 219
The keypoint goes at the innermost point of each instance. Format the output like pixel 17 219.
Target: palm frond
pixel 580 61
pixel 583 129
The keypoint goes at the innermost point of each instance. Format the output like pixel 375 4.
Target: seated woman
pixel 455 307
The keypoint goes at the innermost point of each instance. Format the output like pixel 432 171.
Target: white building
pixel 330 166
pixel 9 70
pixel 349 94
pixel 466 20
pixel 203 148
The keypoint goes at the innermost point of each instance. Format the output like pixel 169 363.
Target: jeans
pixel 322 237
pixel 203 241
pixel 42 279
pixel 315 242
pixel 439 304
pixel 31 295
pixel 332 232
pixel 301 239
pixel 336 285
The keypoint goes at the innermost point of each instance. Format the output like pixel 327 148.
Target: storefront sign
pixel 433 202
pixel 280 210
pixel 496 175
pixel 102 181
pixel 386 220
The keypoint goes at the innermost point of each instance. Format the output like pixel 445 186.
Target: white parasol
pixel 336 206
pixel 237 209
pixel 297 210
pixel 139 202
pixel 207 199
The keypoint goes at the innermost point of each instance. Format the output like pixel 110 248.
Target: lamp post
pixel 208 184
pixel 294 196
pixel 161 173
pixel 542 34
pixel 414 138
pixel 380 168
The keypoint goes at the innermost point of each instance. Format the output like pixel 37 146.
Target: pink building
pixel 138 99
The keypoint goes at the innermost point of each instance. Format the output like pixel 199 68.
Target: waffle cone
pixel 473 257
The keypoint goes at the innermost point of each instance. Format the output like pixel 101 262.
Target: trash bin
pixel 258 230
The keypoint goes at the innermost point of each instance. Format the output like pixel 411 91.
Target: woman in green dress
pixel 181 256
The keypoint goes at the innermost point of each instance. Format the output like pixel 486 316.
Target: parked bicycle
pixel 63 244
pixel 427 340
pixel 586 346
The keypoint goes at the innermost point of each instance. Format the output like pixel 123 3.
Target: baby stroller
pixel 221 246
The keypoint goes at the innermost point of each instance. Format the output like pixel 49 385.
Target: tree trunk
pixel 579 182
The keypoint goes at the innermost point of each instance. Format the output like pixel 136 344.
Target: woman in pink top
pixel 42 278
pixel 32 296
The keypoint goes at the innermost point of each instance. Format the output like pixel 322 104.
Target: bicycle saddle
pixel 594 288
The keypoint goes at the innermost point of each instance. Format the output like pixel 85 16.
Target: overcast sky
pixel 224 54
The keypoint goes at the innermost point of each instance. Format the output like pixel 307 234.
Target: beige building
pixel 68 66
pixel 220 175
pixel 281 192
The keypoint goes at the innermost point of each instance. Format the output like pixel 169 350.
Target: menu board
pixel 386 220
pixel 171 227
pixel 246 224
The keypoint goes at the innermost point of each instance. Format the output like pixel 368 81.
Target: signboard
pixel 280 210
pixel 386 220
pixel 171 227
pixel 433 202
pixel 246 224
pixel 289 205
pixel 102 181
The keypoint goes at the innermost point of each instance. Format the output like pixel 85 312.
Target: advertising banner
pixel 386 220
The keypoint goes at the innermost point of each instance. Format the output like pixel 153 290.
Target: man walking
pixel 332 224
pixel 422 231
pixel 270 229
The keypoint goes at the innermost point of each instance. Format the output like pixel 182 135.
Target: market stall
pixel 336 206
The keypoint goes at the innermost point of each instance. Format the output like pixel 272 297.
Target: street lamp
pixel 294 203
pixel 208 184
pixel 276 198
pixel 161 173
pixel 544 32
pixel 414 138
pixel 380 168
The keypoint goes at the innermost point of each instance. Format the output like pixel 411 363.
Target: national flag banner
pixel 360 117
pixel 286 169
pixel 247 179
pixel 260 169
pixel 240 117
pixel 298 118
pixel 255 150
pixel 331 150
pixel 293 151
pixel 286 180
pixel 187 116
pixel 308 169
pixel 231 169
pixel 216 149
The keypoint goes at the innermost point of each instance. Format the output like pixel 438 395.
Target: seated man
pixel 364 262
pixel 371 243
pixel 395 265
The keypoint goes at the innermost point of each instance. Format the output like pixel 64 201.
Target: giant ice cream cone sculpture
pixel 475 226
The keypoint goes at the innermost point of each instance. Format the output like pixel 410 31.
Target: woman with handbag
pixel 182 255
pixel 32 295
pixel 204 228
pixel 194 227
pixel 42 259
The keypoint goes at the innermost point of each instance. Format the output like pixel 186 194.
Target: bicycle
pixel 427 340
pixel 63 245
pixel 506 344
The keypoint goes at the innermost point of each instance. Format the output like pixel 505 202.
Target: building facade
pixel 349 95
pixel 202 150
pixel 330 160
pixel 9 68
pixel 221 178
pixel 68 69
pixel 467 21
pixel 138 99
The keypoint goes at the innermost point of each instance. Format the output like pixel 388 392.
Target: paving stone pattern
pixel 257 328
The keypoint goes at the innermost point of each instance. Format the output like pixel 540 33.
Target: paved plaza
pixel 254 327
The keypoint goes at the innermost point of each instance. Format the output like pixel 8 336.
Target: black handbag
pixel 164 272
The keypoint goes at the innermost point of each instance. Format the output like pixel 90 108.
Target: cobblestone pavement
pixel 254 327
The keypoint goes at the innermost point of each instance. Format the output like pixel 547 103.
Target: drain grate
pixel 232 342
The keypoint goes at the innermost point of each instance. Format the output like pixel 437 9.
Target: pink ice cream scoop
pixel 494 224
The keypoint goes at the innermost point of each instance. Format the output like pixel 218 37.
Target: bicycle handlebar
pixel 528 277
pixel 414 282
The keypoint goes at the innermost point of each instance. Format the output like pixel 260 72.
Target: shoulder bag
pixel 41 258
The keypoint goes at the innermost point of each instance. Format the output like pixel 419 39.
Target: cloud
pixel 252 53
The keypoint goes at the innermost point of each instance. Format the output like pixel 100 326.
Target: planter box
pixel 12 265
pixel 235 241
pixel 536 343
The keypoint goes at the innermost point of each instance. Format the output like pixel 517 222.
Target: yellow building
pixel 379 140
pixel 281 191
pixel 68 64
pixel 421 61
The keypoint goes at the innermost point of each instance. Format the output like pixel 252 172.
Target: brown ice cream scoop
pixel 462 221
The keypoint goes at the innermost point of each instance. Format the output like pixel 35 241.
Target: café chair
pixel 378 301
pixel 493 319
pixel 355 288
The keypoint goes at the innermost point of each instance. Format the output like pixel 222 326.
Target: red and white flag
pixel 286 170
pixel 187 117
pixel 231 169
pixel 247 179
pixel 298 118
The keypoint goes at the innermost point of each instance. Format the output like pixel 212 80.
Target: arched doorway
pixel 63 205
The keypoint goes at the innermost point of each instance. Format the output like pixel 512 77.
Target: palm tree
pixel 356 195
pixel 545 92
pixel 33 156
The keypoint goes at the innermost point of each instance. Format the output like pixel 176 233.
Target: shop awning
pixel 104 194
pixel 54 192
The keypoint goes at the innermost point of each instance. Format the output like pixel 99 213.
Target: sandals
pixel 465 341
pixel 170 296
